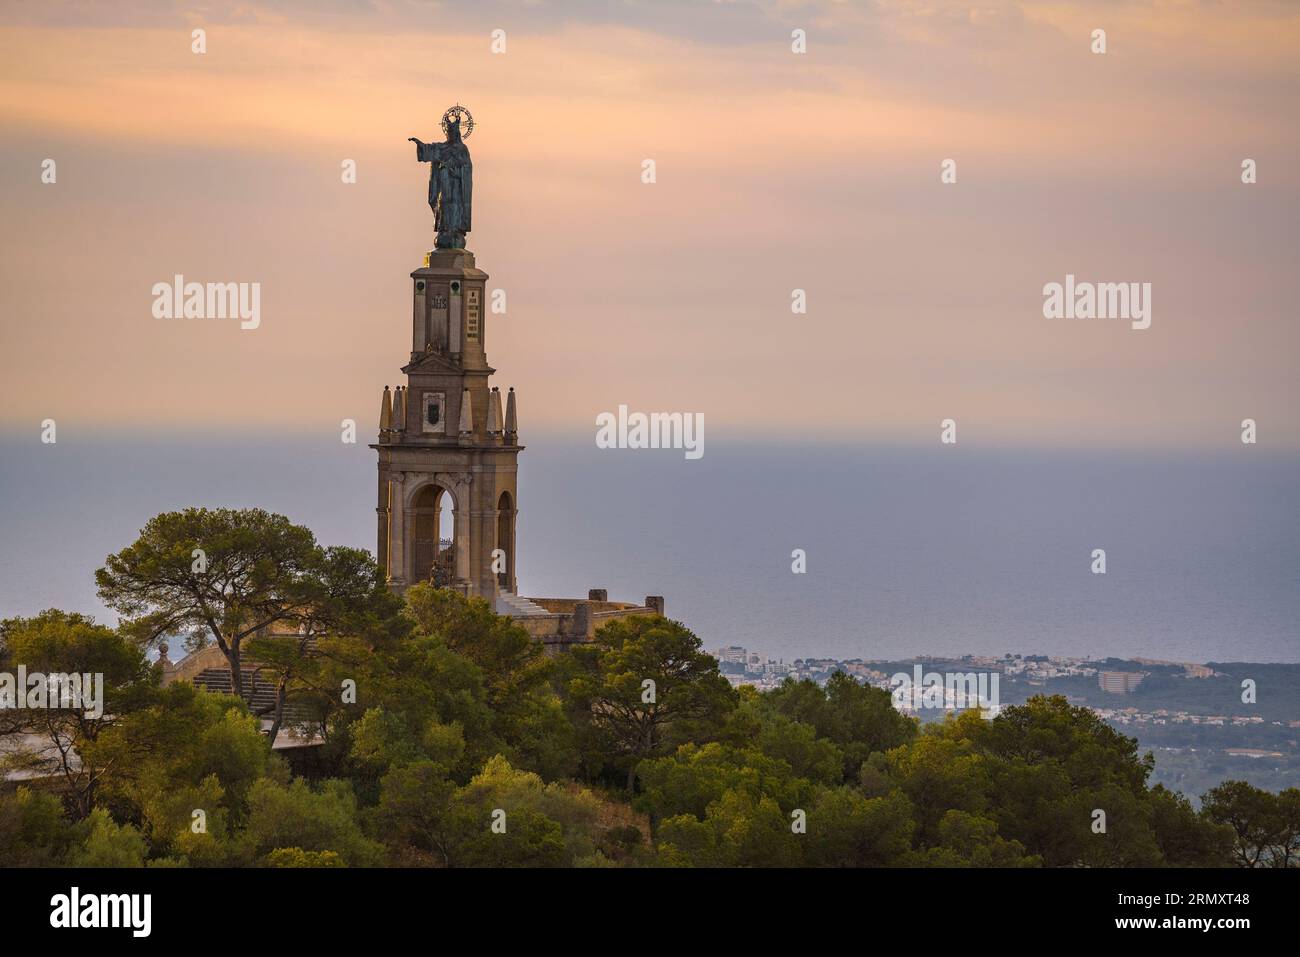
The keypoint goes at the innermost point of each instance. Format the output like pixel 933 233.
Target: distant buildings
pixel 1119 682
pixel 733 655
pixel 740 666
pixel 1252 753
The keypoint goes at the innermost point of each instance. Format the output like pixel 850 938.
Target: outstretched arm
pixel 423 151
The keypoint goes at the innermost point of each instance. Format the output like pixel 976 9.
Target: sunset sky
pixel 775 171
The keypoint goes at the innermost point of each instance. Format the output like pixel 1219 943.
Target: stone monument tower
pixel 448 441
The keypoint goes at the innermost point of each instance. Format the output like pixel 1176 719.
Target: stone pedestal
pixel 438 453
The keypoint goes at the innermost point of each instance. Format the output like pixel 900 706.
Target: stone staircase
pixel 508 603
pixel 258 693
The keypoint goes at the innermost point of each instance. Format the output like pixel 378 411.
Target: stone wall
pixel 574 620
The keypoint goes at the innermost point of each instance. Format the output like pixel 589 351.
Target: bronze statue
pixel 451 178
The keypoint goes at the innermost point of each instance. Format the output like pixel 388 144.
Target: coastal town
pixel 744 667
pixel 1194 717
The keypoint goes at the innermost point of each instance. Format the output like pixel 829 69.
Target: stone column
pixel 397 570
pixel 384 495
pixel 420 320
pixel 454 330
pixel 512 548
pixel 463 533
pixel 584 620
pixel 437 527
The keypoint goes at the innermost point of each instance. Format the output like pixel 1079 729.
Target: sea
pixel 908 552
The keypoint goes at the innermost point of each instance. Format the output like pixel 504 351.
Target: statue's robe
pixel 451 184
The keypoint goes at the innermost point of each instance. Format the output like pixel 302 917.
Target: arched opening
pixel 447 524
pixel 433 549
pixel 506 539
